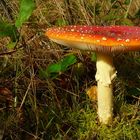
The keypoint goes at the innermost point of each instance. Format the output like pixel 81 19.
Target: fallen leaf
pixel 92 93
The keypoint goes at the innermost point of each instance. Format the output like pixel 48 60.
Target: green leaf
pixel 67 61
pixel 127 2
pixel 93 57
pixel 26 9
pixel 53 70
pixel 11 45
pixel 45 74
pixel 7 29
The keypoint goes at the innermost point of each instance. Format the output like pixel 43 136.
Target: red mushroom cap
pixel 97 38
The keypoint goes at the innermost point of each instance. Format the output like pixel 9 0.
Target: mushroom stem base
pixel 105 103
pixel 104 76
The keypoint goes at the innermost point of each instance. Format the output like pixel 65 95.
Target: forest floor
pixel 34 105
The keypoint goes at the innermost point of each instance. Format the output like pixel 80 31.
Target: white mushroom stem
pixel 105 74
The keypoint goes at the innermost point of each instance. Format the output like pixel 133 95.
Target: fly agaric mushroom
pixel 104 40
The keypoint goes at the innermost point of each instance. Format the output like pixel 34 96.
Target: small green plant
pixel 53 70
pixel 11 30
pixel 7 29
pixel 26 9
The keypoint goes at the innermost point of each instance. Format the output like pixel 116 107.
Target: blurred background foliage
pixel 44 86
